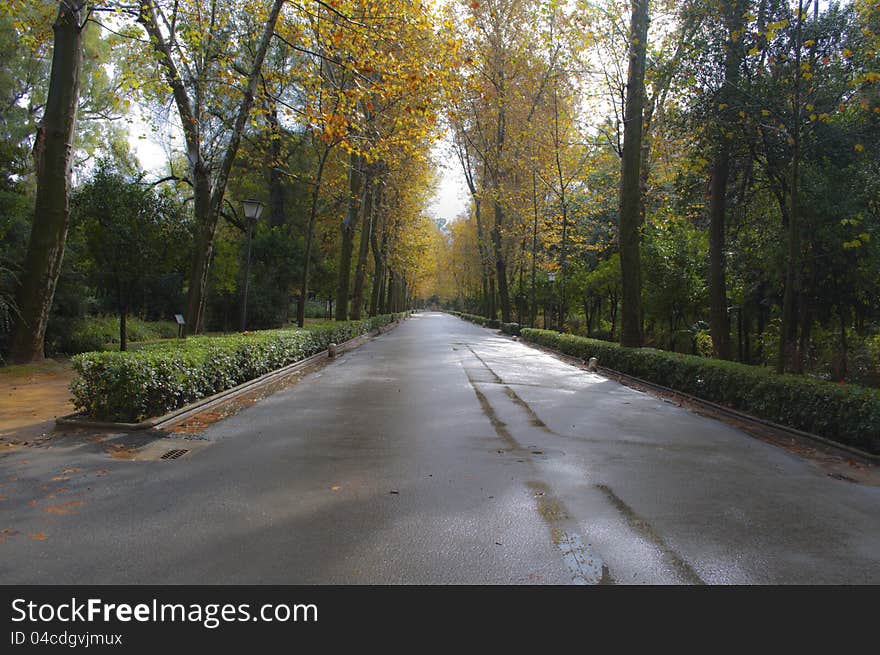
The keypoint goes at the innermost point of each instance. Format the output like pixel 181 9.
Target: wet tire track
pixel 585 565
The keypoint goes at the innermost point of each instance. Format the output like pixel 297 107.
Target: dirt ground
pixel 31 397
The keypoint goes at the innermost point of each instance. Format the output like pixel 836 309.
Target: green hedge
pixel 510 328
pixel 132 386
pixel 845 414
pixel 493 323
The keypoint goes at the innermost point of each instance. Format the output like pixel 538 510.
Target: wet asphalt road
pixel 442 452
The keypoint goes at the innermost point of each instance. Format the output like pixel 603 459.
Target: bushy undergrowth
pixel 131 386
pixel 96 332
pixel 846 414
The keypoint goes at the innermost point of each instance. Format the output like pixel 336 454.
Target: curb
pixel 71 420
pixel 623 378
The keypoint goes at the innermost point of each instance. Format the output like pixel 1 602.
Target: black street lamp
pixel 252 211
pixel 551 278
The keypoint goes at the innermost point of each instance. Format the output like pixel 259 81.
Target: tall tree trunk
pixel 630 264
pixel 123 328
pixel 348 227
pixel 534 309
pixel 360 272
pixel 206 214
pixel 719 320
pixel 788 355
pixel 392 290
pixel 493 310
pixel 378 263
pixel 500 263
pixel 53 151
pixel 484 256
pixel 383 289
pixel 201 256
pixel 310 234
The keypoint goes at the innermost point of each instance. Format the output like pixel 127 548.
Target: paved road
pixel 442 453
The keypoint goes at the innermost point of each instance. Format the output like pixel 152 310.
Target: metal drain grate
pixel 174 454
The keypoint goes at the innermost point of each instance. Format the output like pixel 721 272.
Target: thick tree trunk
pixel 493 310
pixel 500 263
pixel 54 154
pixel 201 256
pixel 484 256
pixel 630 262
pixel 378 264
pixel 534 305
pixel 360 272
pixel 392 290
pixel 348 227
pixel 123 329
pixel 378 275
pixel 719 320
pixel 788 356
pixel 383 289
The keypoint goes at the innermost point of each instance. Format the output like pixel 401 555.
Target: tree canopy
pixel 689 175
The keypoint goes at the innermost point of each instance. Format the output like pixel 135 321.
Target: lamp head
pixel 252 209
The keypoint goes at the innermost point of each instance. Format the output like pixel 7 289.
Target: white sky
pixel 451 197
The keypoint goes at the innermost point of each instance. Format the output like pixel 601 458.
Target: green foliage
pixel 492 323
pixel 674 277
pixel 135 241
pixel 99 332
pixel 846 414
pixel 510 328
pixel 130 386
pixel 276 265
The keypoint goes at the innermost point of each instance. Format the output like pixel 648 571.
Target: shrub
pixel 845 414
pixel 510 328
pixel 492 323
pixel 131 386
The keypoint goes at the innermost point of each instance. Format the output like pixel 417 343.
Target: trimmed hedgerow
pixel 132 386
pixel 492 323
pixel 845 414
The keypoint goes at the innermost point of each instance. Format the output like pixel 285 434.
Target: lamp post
pixel 551 277
pixel 252 211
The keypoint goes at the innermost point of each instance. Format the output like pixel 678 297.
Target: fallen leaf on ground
pixel 39 536
pixel 65 508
